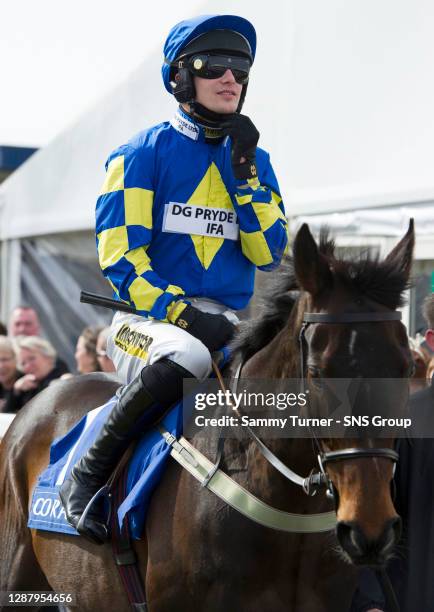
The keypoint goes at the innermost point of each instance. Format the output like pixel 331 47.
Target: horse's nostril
pixel 351 538
pixel 364 551
pixel 391 535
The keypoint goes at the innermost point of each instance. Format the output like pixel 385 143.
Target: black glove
pixel 214 330
pixel 244 138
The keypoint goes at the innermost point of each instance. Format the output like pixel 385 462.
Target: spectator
pixel 106 364
pixel 420 359
pixel 24 321
pixel 430 371
pixel 3 329
pixel 8 371
pixel 85 353
pixel 36 358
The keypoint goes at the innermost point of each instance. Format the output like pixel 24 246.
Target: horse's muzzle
pixel 364 551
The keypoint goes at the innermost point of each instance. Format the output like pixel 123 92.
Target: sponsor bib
pixel 200 220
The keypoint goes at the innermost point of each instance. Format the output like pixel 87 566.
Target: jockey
pixel 188 210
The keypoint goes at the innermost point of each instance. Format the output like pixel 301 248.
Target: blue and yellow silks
pixel 151 268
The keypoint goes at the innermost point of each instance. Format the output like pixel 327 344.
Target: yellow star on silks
pixel 211 192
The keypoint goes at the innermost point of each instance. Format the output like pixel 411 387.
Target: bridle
pixel 320 479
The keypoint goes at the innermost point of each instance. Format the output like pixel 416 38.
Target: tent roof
pixel 341 92
pixel 55 190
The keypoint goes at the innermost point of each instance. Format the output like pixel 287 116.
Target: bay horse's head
pixel 357 336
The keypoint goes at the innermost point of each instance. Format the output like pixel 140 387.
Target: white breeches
pixel 135 342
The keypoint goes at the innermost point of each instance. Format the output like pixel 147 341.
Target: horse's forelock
pixel 383 282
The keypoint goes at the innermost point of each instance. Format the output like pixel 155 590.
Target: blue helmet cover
pixel 185 31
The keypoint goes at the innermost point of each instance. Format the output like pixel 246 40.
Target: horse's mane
pixel 382 281
pixel 275 308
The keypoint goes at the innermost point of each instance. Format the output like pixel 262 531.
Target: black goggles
pixel 214 66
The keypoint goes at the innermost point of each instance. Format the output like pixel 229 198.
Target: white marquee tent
pixel 343 96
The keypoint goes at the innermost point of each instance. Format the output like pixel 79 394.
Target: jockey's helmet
pixel 207 46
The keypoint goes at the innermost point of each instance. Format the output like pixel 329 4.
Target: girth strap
pixel 122 544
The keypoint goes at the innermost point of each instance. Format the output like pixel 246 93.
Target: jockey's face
pixel 220 95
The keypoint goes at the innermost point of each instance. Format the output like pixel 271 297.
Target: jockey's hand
pixel 213 330
pixel 244 137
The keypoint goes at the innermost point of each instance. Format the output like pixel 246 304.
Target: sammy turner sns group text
pixel 279 401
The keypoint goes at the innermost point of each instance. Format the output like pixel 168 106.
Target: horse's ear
pixel 401 256
pixel 310 266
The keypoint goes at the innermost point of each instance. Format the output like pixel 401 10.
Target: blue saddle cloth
pixel 145 470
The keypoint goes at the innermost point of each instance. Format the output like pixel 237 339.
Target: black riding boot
pixel 140 404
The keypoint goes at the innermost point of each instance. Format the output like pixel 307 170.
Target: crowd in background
pixel 29 362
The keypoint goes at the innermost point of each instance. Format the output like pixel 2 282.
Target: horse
pixel 331 317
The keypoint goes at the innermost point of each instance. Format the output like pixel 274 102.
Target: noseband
pixel 320 479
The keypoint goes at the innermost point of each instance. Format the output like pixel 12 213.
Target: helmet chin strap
pixel 209 120
pixel 206 117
